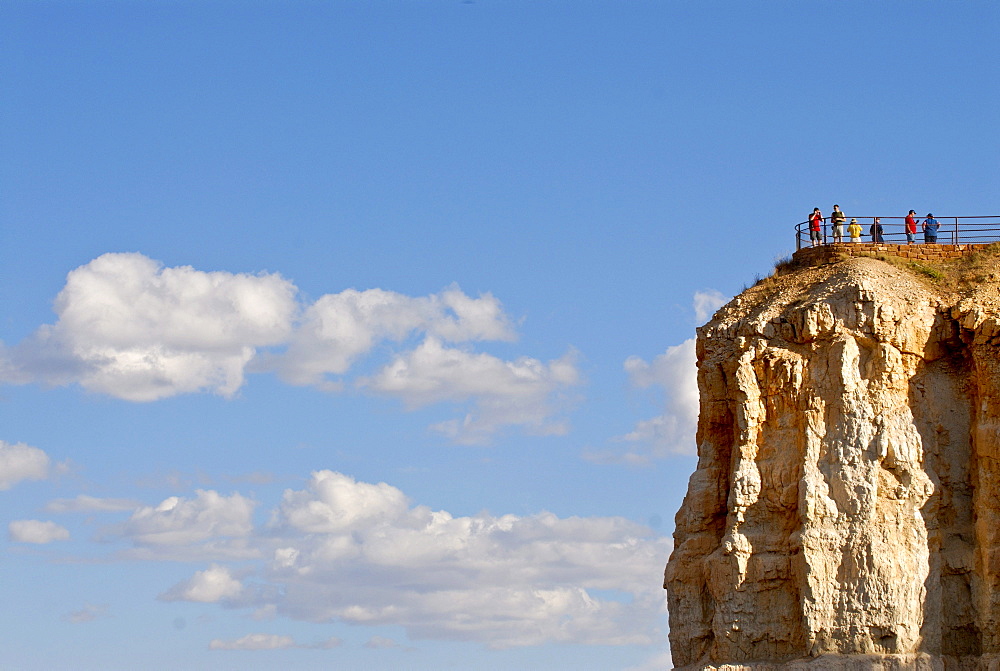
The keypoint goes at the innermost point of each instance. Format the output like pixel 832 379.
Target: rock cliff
pixel 845 512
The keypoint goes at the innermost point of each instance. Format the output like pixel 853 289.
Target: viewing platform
pixel 957 235
pixel 918 251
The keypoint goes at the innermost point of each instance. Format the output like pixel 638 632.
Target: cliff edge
pixel 845 511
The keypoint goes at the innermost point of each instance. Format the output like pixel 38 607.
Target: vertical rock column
pixel 811 526
pixel 979 319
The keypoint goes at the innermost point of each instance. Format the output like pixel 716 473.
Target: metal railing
pixel 953 231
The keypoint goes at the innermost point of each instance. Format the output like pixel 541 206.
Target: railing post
pixel 958 238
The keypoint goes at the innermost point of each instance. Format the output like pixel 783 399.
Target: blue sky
pixel 358 334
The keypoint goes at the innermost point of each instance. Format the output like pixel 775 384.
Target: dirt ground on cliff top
pixel 975 276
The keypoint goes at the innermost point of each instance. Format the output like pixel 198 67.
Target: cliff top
pixel 973 278
pixel 949 268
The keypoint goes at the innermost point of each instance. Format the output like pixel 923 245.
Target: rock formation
pixel 845 512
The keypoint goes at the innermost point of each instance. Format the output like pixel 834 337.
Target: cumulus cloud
pixel 19 462
pixel 338 503
pixel 341 550
pixel 208 526
pixel 211 585
pixel 254 642
pixel 706 303
pixel 505 393
pixel 130 328
pixel 357 552
pixel 339 328
pixel 133 329
pixel 36 531
pixel 675 373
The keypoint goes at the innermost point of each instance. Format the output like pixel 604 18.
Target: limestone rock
pixel 845 512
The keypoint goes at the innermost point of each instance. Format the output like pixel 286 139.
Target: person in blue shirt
pixel 931 226
pixel 876 230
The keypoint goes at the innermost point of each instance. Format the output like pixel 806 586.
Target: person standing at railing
pixel 876 230
pixel 911 226
pixel 837 219
pixel 854 230
pixel 931 226
pixel 816 227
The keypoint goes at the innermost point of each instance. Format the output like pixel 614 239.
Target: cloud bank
pixel 340 550
pixel 130 328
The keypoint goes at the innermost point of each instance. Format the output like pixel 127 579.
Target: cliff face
pixel 847 495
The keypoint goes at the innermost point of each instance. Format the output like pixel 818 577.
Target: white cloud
pixel 90 504
pixel 706 303
pixel 207 526
pixel 505 393
pixel 88 613
pixel 35 531
pixel 213 584
pixel 133 329
pixel 130 328
pixel 672 432
pixel 19 462
pixel 339 328
pixel 356 552
pixel 675 372
pixel 380 643
pixel 658 662
pixel 338 503
pixel 254 642
pixel 348 551
pixel 328 644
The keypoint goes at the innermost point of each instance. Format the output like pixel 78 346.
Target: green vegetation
pixel 953 274
pixel 974 268
pixel 948 275
pixel 927 270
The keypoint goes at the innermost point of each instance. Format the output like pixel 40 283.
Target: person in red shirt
pixel 911 227
pixel 816 227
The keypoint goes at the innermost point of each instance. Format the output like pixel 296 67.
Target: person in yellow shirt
pixel 854 230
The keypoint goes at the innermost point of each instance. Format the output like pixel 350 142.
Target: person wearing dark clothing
pixel 837 220
pixel 876 230
pixel 931 226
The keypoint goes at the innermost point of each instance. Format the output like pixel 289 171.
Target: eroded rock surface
pixel 845 512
